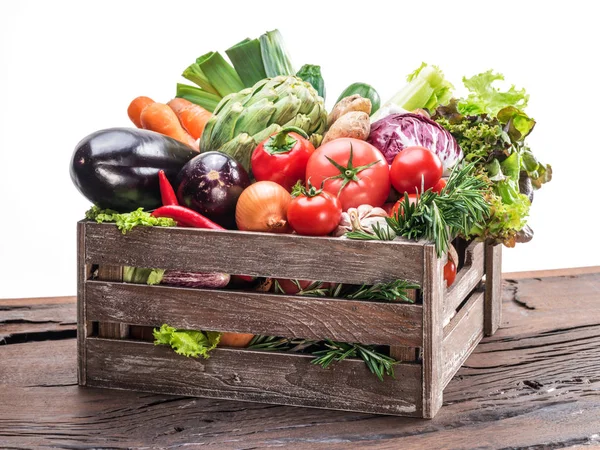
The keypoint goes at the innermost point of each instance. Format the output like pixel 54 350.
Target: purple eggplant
pixel 117 168
pixel 195 279
pixel 211 184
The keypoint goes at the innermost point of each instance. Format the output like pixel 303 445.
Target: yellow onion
pixel 263 207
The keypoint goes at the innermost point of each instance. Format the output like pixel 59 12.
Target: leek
pixel 426 88
pixel 195 75
pixel 275 56
pixel 198 96
pixel 247 60
pixel 220 73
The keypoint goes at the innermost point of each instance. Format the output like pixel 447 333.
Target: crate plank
pixel 256 254
pixel 493 288
pixel 111 329
pixel 82 323
pixel 466 279
pixel 256 312
pixel 462 335
pixel 433 313
pixel 286 379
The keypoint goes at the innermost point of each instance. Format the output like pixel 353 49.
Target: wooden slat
pixel 462 335
pixel 82 324
pixel 493 288
pixel 403 353
pixel 286 379
pixel 257 254
pixel 256 312
pixel 433 313
pixel 466 279
pixel 110 329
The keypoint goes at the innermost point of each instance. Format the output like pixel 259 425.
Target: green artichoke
pixel 244 119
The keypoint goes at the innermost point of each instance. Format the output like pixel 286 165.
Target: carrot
pixel 160 118
pixel 192 117
pixel 136 107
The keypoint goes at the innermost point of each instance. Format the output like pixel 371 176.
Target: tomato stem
pixel 349 172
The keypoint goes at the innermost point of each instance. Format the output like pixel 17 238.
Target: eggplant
pixel 195 279
pixel 211 184
pixel 117 168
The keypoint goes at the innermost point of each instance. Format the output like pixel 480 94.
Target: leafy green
pixel 484 98
pixel 187 342
pixel 127 221
pixel 139 275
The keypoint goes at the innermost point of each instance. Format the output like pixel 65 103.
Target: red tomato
pixel 439 186
pixel 387 207
pixel 355 171
pixel 412 199
pixel 290 288
pixel 449 272
pixel 282 158
pixel 314 215
pixel 414 166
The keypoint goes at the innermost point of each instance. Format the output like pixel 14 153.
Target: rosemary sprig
pixel 440 217
pixel 281 344
pixel 378 363
pixel 392 292
pixel 379 233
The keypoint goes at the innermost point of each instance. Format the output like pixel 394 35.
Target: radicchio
pixel 394 133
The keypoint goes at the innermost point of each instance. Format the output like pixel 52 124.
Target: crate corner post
pixel 83 327
pixel 433 331
pixel 493 288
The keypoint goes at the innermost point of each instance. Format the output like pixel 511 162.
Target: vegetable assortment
pixel 251 147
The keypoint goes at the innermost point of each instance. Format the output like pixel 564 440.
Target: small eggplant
pixel 195 279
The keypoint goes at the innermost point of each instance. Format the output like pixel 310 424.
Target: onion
pixel 263 207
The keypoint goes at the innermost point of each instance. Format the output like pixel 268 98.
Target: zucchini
pixel 312 74
pixel 364 90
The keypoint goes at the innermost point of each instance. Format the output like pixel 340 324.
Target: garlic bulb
pixel 361 219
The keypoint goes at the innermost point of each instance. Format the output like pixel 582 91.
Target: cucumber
pixel 312 74
pixel 364 90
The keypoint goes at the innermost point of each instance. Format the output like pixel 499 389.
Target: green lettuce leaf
pixel 484 98
pixel 127 221
pixel 190 343
pixel 140 275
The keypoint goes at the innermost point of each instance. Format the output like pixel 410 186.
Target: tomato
pixel 388 207
pixel 439 186
pixel 282 158
pixel 353 170
pixel 314 213
pixel 414 166
pixel 412 199
pixel 449 272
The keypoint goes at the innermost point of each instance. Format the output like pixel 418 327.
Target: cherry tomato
pixel 282 158
pixel 414 166
pixel 412 199
pixel 314 215
pixel 354 170
pixel 449 272
pixel 439 186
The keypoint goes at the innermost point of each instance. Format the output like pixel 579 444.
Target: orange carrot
pixel 192 117
pixel 160 118
pixel 136 107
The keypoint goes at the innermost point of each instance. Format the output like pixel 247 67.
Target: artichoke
pixel 244 119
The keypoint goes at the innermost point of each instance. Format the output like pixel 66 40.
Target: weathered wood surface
pixel 534 384
pixel 493 288
pixel 466 280
pixel 256 312
pixel 257 254
pixel 252 376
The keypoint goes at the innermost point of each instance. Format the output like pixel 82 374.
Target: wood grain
pixel 533 385
pixel 433 313
pixel 288 379
pixel 467 278
pixel 462 335
pixel 110 329
pixel 257 254
pixel 493 288
pixel 82 322
pixel 256 312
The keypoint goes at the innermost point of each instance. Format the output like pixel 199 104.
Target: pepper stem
pixel 281 142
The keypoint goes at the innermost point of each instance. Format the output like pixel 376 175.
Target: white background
pixel 68 69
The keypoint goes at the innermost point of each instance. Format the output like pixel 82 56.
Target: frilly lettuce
pixel 187 342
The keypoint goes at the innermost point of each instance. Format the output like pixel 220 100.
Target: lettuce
pixel 484 98
pixel 188 343
pixel 127 221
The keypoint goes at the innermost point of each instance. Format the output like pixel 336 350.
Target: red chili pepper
pixel 186 217
pixel 167 194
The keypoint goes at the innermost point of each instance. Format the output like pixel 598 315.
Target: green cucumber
pixel 312 75
pixel 364 90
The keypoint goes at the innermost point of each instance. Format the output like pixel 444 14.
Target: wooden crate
pixel 432 337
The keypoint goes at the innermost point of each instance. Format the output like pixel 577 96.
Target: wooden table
pixel 535 384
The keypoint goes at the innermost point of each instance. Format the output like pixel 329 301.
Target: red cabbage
pixel 394 133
